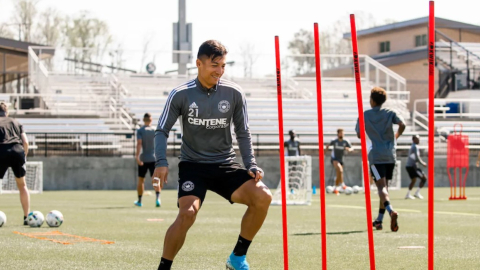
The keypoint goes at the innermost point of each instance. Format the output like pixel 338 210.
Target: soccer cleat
pixel 378 225
pixel 393 222
pixel 237 262
pixel 409 197
pixel 25 222
pixel 139 204
pixel 418 195
pixel 158 203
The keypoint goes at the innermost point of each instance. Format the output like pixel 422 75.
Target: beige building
pixel 402 48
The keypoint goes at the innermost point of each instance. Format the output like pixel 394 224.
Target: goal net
pixel 33 178
pixel 298 177
pixel 396 182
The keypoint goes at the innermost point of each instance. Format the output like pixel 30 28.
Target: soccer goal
pixel 33 178
pixel 396 182
pixel 298 177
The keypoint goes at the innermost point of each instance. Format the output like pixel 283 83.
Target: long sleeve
pixel 169 116
pixel 242 131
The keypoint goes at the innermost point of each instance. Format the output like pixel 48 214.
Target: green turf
pixel 110 215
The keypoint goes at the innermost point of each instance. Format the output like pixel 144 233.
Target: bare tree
pixel 87 37
pixel 24 15
pixel 303 44
pixel 147 39
pixel 5 31
pixel 249 59
pixel 49 30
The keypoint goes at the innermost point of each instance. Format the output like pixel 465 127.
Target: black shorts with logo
pixel 12 155
pixel 415 172
pixel 196 178
pixel 147 166
pixel 380 171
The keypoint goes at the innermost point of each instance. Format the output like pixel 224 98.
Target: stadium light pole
pixel 321 164
pixel 361 127
pixel 282 150
pixel 431 127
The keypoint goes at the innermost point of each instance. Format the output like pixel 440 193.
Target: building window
pixel 420 40
pixel 384 46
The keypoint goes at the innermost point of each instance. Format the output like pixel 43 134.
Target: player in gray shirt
pixel 207 107
pixel 145 160
pixel 379 123
pixel 413 170
pixel 339 146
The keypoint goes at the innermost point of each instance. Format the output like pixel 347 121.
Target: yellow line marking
pixel 408 210
pixel 457 213
pixel 347 206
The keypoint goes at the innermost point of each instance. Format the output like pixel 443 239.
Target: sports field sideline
pixel 111 216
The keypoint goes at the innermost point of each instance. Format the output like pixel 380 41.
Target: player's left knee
pixel 263 198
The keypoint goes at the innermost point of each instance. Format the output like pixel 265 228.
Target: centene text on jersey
pixel 209 123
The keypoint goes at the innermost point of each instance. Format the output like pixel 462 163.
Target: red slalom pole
pixel 321 157
pixel 282 157
pixel 361 123
pixel 431 128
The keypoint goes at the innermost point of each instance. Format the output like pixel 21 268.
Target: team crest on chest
pixel 224 106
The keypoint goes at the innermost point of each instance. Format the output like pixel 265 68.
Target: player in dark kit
pixel 293 145
pixel 145 160
pixel 413 170
pixel 208 105
pixel 13 153
pixel 339 146
pixel 379 123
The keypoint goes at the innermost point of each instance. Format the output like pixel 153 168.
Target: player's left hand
pixel 256 173
pixel 424 165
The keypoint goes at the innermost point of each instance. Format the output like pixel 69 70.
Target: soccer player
pixel 339 146
pixel 478 160
pixel 208 106
pixel 292 145
pixel 379 123
pixel 146 160
pixel 13 153
pixel 413 170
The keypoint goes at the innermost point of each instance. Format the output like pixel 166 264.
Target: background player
pixel 379 128
pixel 13 153
pixel 339 146
pixel 293 145
pixel 146 160
pixel 413 170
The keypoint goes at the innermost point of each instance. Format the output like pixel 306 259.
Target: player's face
pixel 416 140
pixel 147 120
pixel 340 134
pixel 211 70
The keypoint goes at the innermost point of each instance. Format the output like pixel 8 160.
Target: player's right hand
pixel 139 162
pixel 159 178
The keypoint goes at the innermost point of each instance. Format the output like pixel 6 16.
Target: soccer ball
pixel 329 189
pixel 3 218
pixel 54 218
pixel 35 219
pixel 356 189
pixel 341 190
pixel 348 191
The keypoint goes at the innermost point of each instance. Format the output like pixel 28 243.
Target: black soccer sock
pixel 165 264
pixel 242 246
pixel 140 198
pixel 388 206
pixel 381 212
pixel 157 194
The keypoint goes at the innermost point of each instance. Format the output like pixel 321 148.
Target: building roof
pixel 439 23
pixel 14 46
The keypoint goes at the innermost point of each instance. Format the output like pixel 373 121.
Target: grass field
pixel 110 215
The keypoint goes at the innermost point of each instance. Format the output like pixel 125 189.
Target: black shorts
pixel 196 178
pixel 147 166
pixel 12 155
pixel 380 171
pixel 332 160
pixel 415 172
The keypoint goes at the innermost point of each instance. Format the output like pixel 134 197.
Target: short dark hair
pixel 379 95
pixel 340 129
pixel 147 115
pixel 212 49
pixel 3 109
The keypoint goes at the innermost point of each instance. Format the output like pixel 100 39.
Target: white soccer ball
pixel 341 190
pixel 54 218
pixel 329 189
pixel 348 191
pixel 356 189
pixel 3 218
pixel 35 219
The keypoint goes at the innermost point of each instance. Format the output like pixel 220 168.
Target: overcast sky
pixel 240 21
